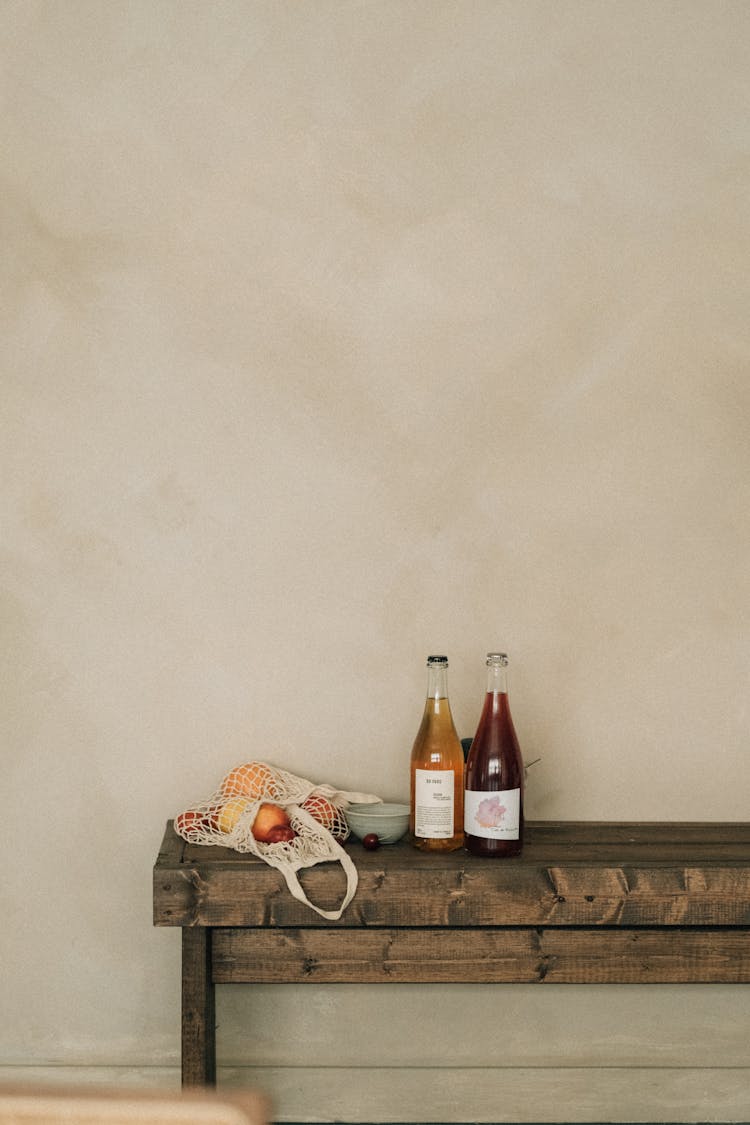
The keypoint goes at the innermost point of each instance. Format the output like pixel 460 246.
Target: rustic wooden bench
pixel 586 902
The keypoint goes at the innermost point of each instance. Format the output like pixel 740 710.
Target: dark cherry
pixel 371 841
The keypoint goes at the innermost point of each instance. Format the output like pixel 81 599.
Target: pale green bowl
pixel 388 821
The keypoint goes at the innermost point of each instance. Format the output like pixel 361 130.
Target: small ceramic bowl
pixel 388 821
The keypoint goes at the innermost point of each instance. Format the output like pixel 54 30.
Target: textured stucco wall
pixel 335 334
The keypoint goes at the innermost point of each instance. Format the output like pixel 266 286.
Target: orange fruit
pixel 253 780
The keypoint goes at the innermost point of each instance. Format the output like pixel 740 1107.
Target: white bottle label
pixel 433 804
pixel 495 815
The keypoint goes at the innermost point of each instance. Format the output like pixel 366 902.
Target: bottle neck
pixel 437 681
pixel 497 678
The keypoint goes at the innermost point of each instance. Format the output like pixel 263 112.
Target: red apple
pixel 280 833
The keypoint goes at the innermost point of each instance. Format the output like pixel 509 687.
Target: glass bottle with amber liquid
pixel 437 770
pixel 493 800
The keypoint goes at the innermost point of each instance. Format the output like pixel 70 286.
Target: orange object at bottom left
pixel 92 1105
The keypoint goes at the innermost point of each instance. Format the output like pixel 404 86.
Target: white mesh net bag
pixel 285 820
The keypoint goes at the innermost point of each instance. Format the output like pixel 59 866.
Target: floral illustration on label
pixel 491 812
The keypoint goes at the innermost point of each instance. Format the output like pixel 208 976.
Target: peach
pixel 196 821
pixel 268 818
pixel 188 821
pixel 326 814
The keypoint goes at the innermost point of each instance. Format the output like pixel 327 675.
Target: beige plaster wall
pixel 334 334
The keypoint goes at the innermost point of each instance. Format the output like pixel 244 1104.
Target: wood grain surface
pixel 570 874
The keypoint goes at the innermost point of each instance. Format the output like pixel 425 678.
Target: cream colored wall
pixel 335 334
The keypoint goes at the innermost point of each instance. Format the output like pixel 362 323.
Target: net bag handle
pixel 289 871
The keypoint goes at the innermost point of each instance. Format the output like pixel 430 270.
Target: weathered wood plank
pixel 198 1009
pixel 549 840
pixel 625 881
pixel 172 847
pixel 559 896
pixel 471 956
pixel 678 833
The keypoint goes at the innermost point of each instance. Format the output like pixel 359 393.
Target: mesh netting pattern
pixel 299 823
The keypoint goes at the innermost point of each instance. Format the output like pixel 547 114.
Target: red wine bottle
pixel 493 800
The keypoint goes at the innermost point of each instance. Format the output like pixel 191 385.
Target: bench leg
pixel 198 1009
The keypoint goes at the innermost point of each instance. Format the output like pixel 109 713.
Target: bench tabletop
pixel 571 873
